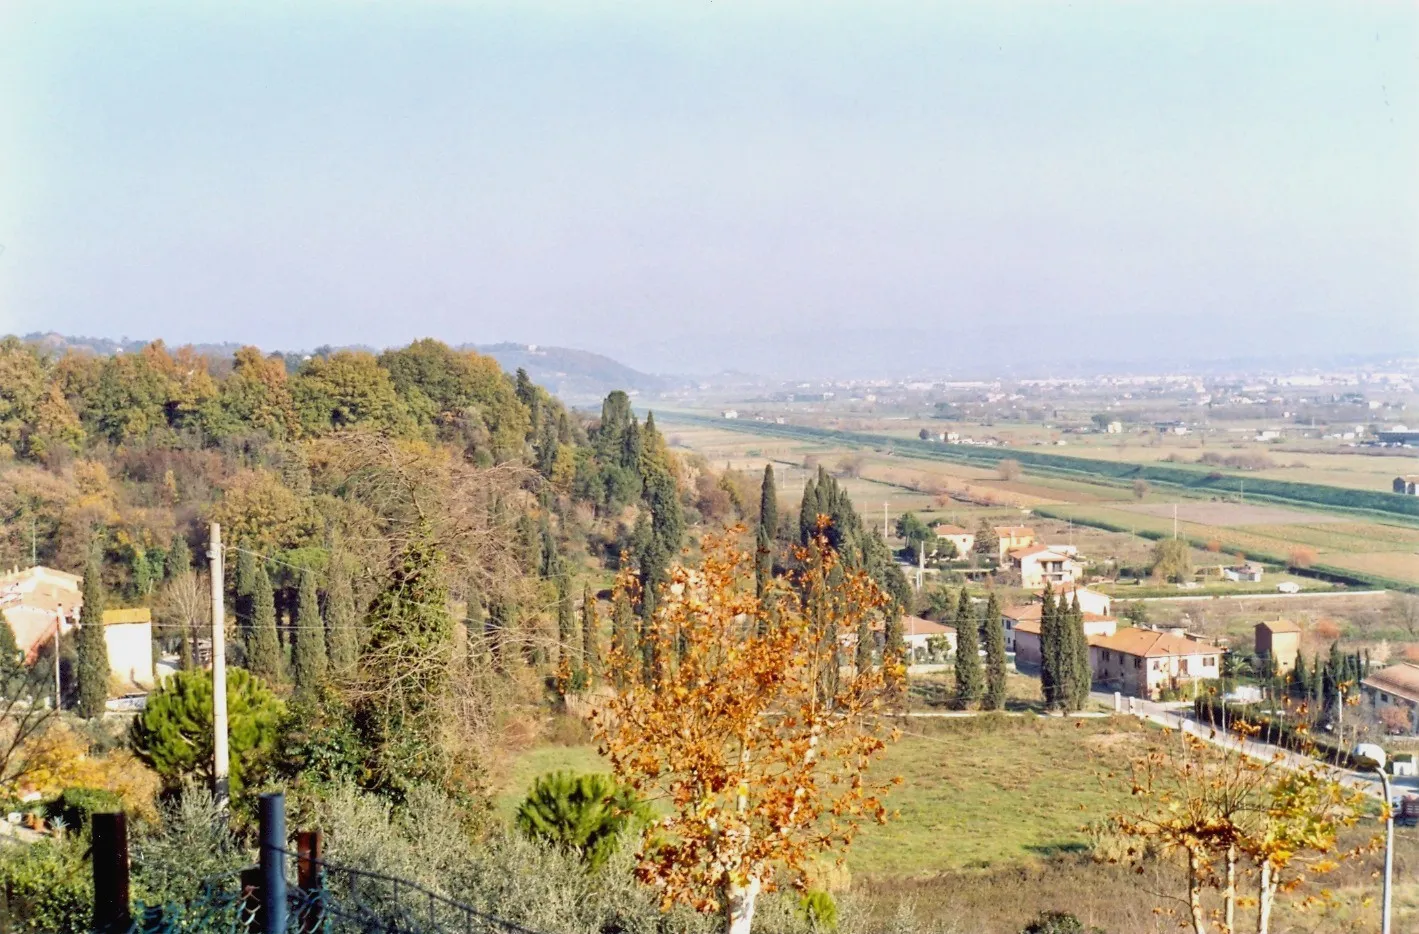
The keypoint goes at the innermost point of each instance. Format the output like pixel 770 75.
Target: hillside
pixel 574 375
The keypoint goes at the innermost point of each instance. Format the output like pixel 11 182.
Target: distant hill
pixel 574 374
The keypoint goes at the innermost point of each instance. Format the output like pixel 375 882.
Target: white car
pixel 1289 587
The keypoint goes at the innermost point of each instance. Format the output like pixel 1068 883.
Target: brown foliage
pixel 1302 557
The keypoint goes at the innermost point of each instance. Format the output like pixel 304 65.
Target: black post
pixel 273 863
pixel 110 854
pixel 310 850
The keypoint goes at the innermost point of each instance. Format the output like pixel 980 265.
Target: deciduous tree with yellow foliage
pixel 753 727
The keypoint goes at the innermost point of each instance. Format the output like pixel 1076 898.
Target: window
pixel 1209 662
pixel 1138 663
pixel 1106 654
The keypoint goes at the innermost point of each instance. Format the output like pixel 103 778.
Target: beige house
pixel 36 602
pixel 129 637
pixel 1012 537
pixel 1395 686
pixel 1280 640
pixel 1022 631
pixel 962 539
pixel 1145 662
pixel 1039 565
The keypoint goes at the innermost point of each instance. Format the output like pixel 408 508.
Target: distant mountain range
pixel 572 375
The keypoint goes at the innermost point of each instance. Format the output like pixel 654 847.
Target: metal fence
pixel 288 892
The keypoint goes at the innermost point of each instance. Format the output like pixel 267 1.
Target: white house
pixel 963 540
pixel 1249 573
pixel 917 633
pixel 129 637
pixel 1040 564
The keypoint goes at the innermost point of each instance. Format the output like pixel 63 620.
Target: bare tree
pixel 184 605
pixel 1008 469
pixel 24 718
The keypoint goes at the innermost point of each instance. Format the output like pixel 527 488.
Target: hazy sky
pixel 661 181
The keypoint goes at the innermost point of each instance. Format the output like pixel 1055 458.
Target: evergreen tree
pixel 590 643
pixel 894 648
pixel 405 673
pixel 566 620
pixel 179 556
pixel 245 586
pixel 808 512
pixel 764 541
pixel 1051 676
pixel 1081 672
pixel 12 664
pixel 310 652
pixel 263 648
pixel 93 668
pixel 551 559
pixel 994 698
pixel 623 631
pixel 661 496
pixel 342 619
pixel 863 656
pixel 969 683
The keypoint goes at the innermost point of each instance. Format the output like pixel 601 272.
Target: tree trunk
pixel 1194 895
pixel 1266 893
pixel 1231 892
pixel 739 906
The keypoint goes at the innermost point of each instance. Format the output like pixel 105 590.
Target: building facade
pixel 1280 641
pixel 1146 662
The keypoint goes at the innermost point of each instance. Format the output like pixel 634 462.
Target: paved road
pixel 1181 719
pixel 1304 594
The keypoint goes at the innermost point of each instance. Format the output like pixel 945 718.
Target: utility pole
pixel 58 625
pixel 1175 520
pixel 884 520
pixel 219 670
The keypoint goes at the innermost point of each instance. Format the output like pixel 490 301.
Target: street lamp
pixel 1389 847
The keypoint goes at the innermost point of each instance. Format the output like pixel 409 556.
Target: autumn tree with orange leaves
pixel 753 726
pixel 1246 827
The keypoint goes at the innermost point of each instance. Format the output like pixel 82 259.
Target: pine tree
pixel 179 558
pixel 768 524
pixel 342 619
pixel 263 648
pixel 93 668
pixel 590 643
pixel 994 698
pixel 1081 672
pixel 566 620
pixel 310 652
pixel 969 684
pixel 1051 681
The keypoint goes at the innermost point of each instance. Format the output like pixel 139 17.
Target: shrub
pixel 75 806
pixel 48 886
pixel 1058 922
pixel 819 910
pixel 174 732
pixel 582 814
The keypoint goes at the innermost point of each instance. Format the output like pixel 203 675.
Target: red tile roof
pixel 1149 643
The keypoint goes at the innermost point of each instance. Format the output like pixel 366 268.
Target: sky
pixel 691 186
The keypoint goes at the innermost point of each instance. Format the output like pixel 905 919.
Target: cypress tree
pixel 245 586
pixel 968 674
pixel 1081 672
pixel 263 648
pixel 894 649
pixel 808 512
pixel 1050 680
pixel 590 647
pixel 863 657
pixel 342 620
pixel 566 619
pixel 12 665
pixel 623 632
pixel 551 560
pixel 93 669
pixel 310 652
pixel 994 698
pixel 179 557
pixel 768 524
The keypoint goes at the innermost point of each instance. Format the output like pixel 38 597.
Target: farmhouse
pixel 1145 662
pixel 1022 631
pixel 1039 565
pixel 1279 640
pixel 1396 686
pixel 38 601
pixel 1012 537
pixel 917 633
pixel 962 539
pixel 1090 601
pixel 1249 573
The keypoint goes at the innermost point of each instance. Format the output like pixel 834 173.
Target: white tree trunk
pixel 1231 893
pixel 1266 894
pixel 739 906
pixel 1194 895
